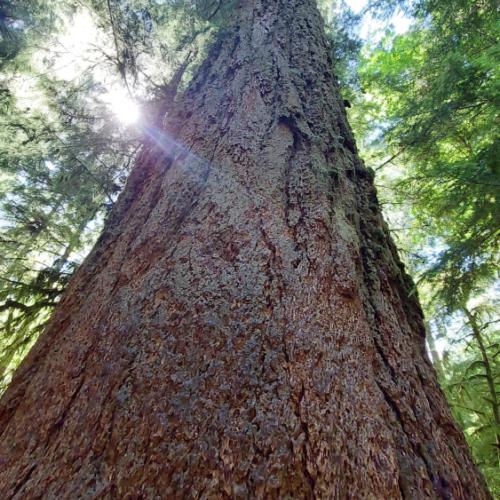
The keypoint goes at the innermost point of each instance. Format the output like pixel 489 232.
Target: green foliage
pixel 61 172
pixel 438 94
pixel 20 23
pixel 341 26
pixel 470 380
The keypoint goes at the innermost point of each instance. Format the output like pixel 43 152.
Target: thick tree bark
pixel 243 328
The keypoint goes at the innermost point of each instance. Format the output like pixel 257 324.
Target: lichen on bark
pixel 243 328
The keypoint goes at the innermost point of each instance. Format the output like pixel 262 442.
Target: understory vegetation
pixel 80 81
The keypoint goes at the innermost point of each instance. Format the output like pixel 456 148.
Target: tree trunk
pixel 243 328
pixel 431 345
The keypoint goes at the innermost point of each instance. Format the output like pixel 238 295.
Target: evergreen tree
pixel 243 326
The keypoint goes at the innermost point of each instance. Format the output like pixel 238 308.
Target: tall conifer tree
pixel 243 328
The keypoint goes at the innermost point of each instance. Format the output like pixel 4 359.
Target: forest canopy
pixel 83 81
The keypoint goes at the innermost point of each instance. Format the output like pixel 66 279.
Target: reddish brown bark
pixel 244 327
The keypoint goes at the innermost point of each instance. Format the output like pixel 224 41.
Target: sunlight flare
pixel 123 106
